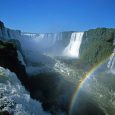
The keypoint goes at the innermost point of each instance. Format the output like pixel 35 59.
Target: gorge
pixel 68 73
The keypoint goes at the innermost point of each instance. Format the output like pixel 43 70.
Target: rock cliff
pixel 97 45
pixel 9 59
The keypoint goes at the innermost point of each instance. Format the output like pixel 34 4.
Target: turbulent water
pixel 14 99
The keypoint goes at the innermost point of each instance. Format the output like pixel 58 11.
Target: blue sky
pixel 57 15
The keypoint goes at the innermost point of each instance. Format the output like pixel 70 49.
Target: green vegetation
pixel 97 45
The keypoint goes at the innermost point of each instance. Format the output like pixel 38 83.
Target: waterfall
pixel 20 58
pixel 111 63
pixel 72 49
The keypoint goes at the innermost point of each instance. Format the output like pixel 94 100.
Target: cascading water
pixel 14 99
pixel 72 49
pixel 111 63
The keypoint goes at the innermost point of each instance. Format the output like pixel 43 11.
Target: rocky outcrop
pixel 19 49
pixel 12 36
pixel 9 59
pixel 97 45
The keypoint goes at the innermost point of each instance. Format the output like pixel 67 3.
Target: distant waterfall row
pixel 54 43
pixel 42 41
pixel 6 33
pixel 57 44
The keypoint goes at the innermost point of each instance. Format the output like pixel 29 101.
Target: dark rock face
pixel 8 59
pixel 51 90
pixel 18 47
pixel 4 113
pixel 1 25
pixel 97 45
pixel 17 44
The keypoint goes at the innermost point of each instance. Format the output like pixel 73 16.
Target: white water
pixel 67 72
pixel 14 98
pixel 111 63
pixel 20 58
pixel 72 49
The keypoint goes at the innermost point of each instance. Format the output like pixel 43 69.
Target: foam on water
pixel 14 98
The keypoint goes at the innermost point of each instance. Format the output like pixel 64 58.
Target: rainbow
pixel 80 85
